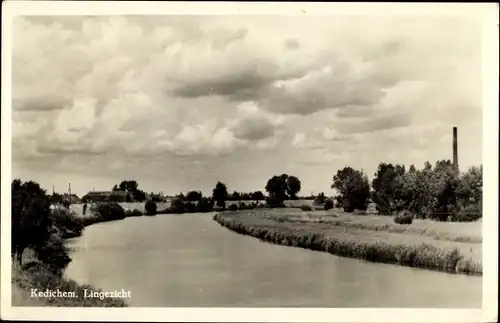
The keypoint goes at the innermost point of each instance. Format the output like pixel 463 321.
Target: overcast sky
pixel 178 103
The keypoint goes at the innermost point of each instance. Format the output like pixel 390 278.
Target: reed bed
pixel 421 255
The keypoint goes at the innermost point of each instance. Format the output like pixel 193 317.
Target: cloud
pixel 187 89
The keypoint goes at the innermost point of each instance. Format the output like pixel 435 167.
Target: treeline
pixel 37 227
pixel 440 192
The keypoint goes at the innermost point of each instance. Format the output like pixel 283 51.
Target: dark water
pixel 190 260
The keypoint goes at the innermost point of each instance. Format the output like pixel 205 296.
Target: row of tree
pixel 440 192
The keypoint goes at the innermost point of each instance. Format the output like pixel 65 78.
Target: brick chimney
pixel 455 147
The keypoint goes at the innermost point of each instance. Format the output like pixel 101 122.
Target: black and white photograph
pixel 244 160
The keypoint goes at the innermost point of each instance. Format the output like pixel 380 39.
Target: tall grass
pixel 36 275
pixel 418 256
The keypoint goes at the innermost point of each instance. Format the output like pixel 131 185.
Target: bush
pixel 328 204
pixel 189 207
pixel 150 208
pixel 233 207
pixel 205 205
pixel 54 254
pixel 306 207
pixel 176 207
pixel 274 201
pixel 67 223
pixel 468 213
pixel 242 206
pixel 404 217
pixel 134 212
pixel 109 211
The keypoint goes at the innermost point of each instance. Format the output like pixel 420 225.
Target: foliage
pixel 277 188
pixel 108 211
pixel 194 196
pixel 134 212
pixel 189 207
pixel 220 195
pixel 67 223
pixel 177 206
pixel 132 187
pixel 404 217
pixel 438 192
pixel 233 207
pixel 30 217
pixel 150 207
pixel 353 187
pixel 205 205
pixel 471 212
pixel 274 201
pixel 235 196
pixel 320 199
pixel 306 207
pixel 388 188
pixel 293 187
pixel 328 204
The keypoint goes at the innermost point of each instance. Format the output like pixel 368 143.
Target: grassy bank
pixel 377 246
pixel 36 275
pixel 469 232
pixel 43 270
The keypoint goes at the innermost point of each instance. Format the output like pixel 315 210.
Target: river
pixel 191 261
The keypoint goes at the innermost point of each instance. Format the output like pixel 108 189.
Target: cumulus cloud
pixel 311 90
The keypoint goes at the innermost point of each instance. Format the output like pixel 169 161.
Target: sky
pixel 178 103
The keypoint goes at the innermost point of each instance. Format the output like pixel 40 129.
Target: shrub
pixel 205 205
pixel 189 207
pixel 54 254
pixel 67 223
pixel 404 217
pixel 176 207
pixel 306 207
pixel 320 199
pixel 328 204
pixel 233 207
pixel 134 212
pixel 468 213
pixel 109 211
pixel 274 201
pixel 150 208
pixel 242 206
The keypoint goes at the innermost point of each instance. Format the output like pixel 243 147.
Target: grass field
pixel 452 247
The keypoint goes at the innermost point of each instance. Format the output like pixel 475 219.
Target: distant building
pixel 108 196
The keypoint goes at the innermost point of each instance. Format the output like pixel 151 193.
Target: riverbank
pixel 405 248
pixel 34 276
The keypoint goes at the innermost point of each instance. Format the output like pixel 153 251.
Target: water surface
pixel 190 260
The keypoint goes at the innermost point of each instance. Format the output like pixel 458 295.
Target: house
pixel 108 196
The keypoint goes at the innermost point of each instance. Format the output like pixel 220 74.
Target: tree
pixel 293 187
pixel 320 199
pixel 235 196
pixel 258 196
pixel 129 185
pixel 353 187
pixel 277 188
pixel 30 217
pixel 388 188
pixel 193 196
pixel 220 195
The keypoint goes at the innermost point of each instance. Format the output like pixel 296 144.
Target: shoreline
pixel 422 255
pixel 36 276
